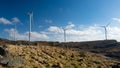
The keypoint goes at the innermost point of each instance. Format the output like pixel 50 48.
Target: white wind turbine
pixel 64 29
pixel 30 14
pixel 105 28
pixel 15 27
pixel 15 31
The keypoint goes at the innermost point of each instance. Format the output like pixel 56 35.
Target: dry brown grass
pixel 57 57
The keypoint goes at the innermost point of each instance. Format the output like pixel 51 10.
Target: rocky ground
pixel 54 57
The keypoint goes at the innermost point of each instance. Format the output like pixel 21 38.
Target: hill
pixel 57 57
pixel 109 48
pixel 92 54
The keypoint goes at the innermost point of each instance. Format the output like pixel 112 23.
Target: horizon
pixel 81 18
pixel 61 41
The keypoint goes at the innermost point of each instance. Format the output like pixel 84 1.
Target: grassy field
pixel 58 57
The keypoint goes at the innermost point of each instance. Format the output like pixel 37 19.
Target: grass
pixel 57 57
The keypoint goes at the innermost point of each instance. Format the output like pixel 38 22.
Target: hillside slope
pixel 110 48
pixel 57 57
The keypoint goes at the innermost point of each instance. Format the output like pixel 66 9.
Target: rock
pixel 4 61
pixel 12 61
pixel 5 46
pixel 3 52
pixel 16 61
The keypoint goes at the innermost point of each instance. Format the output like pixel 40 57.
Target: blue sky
pixel 81 16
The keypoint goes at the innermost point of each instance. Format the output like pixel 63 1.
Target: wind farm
pixel 59 34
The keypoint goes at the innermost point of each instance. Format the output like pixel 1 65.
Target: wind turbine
pixel 30 14
pixel 15 32
pixel 105 28
pixel 64 29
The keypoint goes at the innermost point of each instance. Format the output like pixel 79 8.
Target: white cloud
pixel 15 20
pixel 90 33
pixel 18 36
pixel 48 21
pixel 116 19
pixel 54 29
pixel 85 34
pixel 5 21
pixel 35 36
pixel 114 32
pixel 70 25
pixel 55 33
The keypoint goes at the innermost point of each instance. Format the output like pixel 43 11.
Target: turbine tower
pixel 14 31
pixel 30 14
pixel 64 29
pixel 105 28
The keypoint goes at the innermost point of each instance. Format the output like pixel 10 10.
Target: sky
pixel 81 19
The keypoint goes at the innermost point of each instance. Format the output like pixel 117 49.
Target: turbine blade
pixel 108 24
pixel 101 26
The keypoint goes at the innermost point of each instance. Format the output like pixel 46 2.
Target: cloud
pixel 87 34
pixel 114 33
pixel 116 19
pixel 5 21
pixel 55 33
pixel 70 25
pixel 54 29
pixel 18 36
pixel 48 21
pixel 35 36
pixel 15 20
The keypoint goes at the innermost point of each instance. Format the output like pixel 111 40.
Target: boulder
pixel 12 61
pixel 3 52
pixel 4 61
